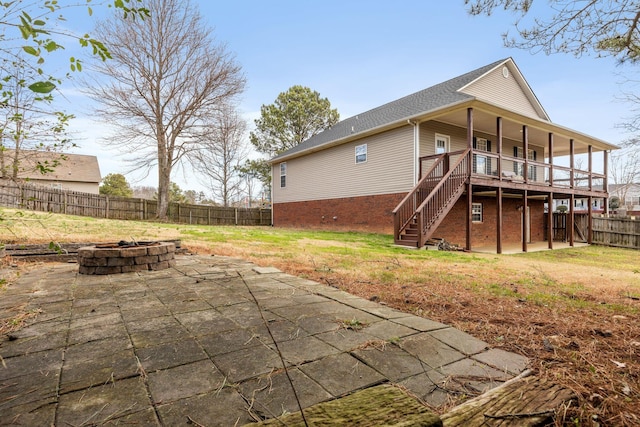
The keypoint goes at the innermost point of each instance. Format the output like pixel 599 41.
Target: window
pixel 361 153
pixel 442 143
pixel 481 164
pixel 518 167
pixel 283 175
pixel 476 212
pixel 481 144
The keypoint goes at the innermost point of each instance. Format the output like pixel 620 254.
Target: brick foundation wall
pixel 370 214
pixel 453 228
pixel 373 214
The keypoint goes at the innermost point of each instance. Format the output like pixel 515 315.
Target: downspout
pixel 416 150
pixel 271 194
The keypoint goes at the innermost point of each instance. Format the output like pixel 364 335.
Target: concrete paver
pixel 207 343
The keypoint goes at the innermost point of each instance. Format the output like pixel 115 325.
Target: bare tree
pixel 606 28
pixel 223 149
pixel 167 79
pixel 625 171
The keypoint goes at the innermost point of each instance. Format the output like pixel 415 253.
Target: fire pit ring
pixel 126 257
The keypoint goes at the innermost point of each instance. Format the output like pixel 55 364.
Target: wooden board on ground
pixel 523 401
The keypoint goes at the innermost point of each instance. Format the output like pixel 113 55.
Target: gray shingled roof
pixel 433 98
pixel 73 168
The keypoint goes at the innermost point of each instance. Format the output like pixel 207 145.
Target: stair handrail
pixel 421 210
pixel 401 223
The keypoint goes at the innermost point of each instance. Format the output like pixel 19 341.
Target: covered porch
pixel 507 155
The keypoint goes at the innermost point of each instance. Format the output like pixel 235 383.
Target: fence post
pixel 236 216
pixel 208 215
pixel 106 207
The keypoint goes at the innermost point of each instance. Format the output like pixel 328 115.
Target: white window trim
pixel 366 154
pixel 482 141
pixel 447 143
pixel 283 165
pixel 476 211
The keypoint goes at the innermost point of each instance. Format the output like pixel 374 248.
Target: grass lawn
pixel 574 312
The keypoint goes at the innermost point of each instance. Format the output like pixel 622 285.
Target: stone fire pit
pixel 125 257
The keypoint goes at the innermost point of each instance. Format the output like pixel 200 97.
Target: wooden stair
pixel 410 235
pixel 443 186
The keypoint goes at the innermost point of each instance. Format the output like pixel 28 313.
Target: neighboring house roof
pixel 439 97
pixel 71 167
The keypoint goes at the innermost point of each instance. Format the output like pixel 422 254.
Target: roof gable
pixel 506 87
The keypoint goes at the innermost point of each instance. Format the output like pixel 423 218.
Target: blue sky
pixel 361 54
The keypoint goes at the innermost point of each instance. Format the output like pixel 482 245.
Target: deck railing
pixel 404 213
pixel 443 196
pixel 509 168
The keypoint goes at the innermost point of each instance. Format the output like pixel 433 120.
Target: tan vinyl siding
pixel 333 173
pixel 504 92
pixel 428 130
pixel 85 187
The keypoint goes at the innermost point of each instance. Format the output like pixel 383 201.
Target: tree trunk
pixel 164 176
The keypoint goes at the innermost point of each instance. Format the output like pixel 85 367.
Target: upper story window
pixel 443 143
pixel 481 144
pixel 283 174
pixel 361 153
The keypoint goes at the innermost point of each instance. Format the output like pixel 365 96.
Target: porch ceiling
pixel 484 120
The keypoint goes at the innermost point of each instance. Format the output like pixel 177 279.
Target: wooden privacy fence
pixel 43 199
pixel 623 232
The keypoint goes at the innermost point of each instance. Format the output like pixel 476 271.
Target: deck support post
pixel 469 216
pixel 499 220
pixel 499 190
pixel 550 162
pixel 571 219
pixel 590 163
pixel 469 169
pixel 525 222
pixel 525 153
pixel 572 164
pixel 550 220
pixel 590 221
pixel 499 146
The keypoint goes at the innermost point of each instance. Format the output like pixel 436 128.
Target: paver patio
pixel 205 342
